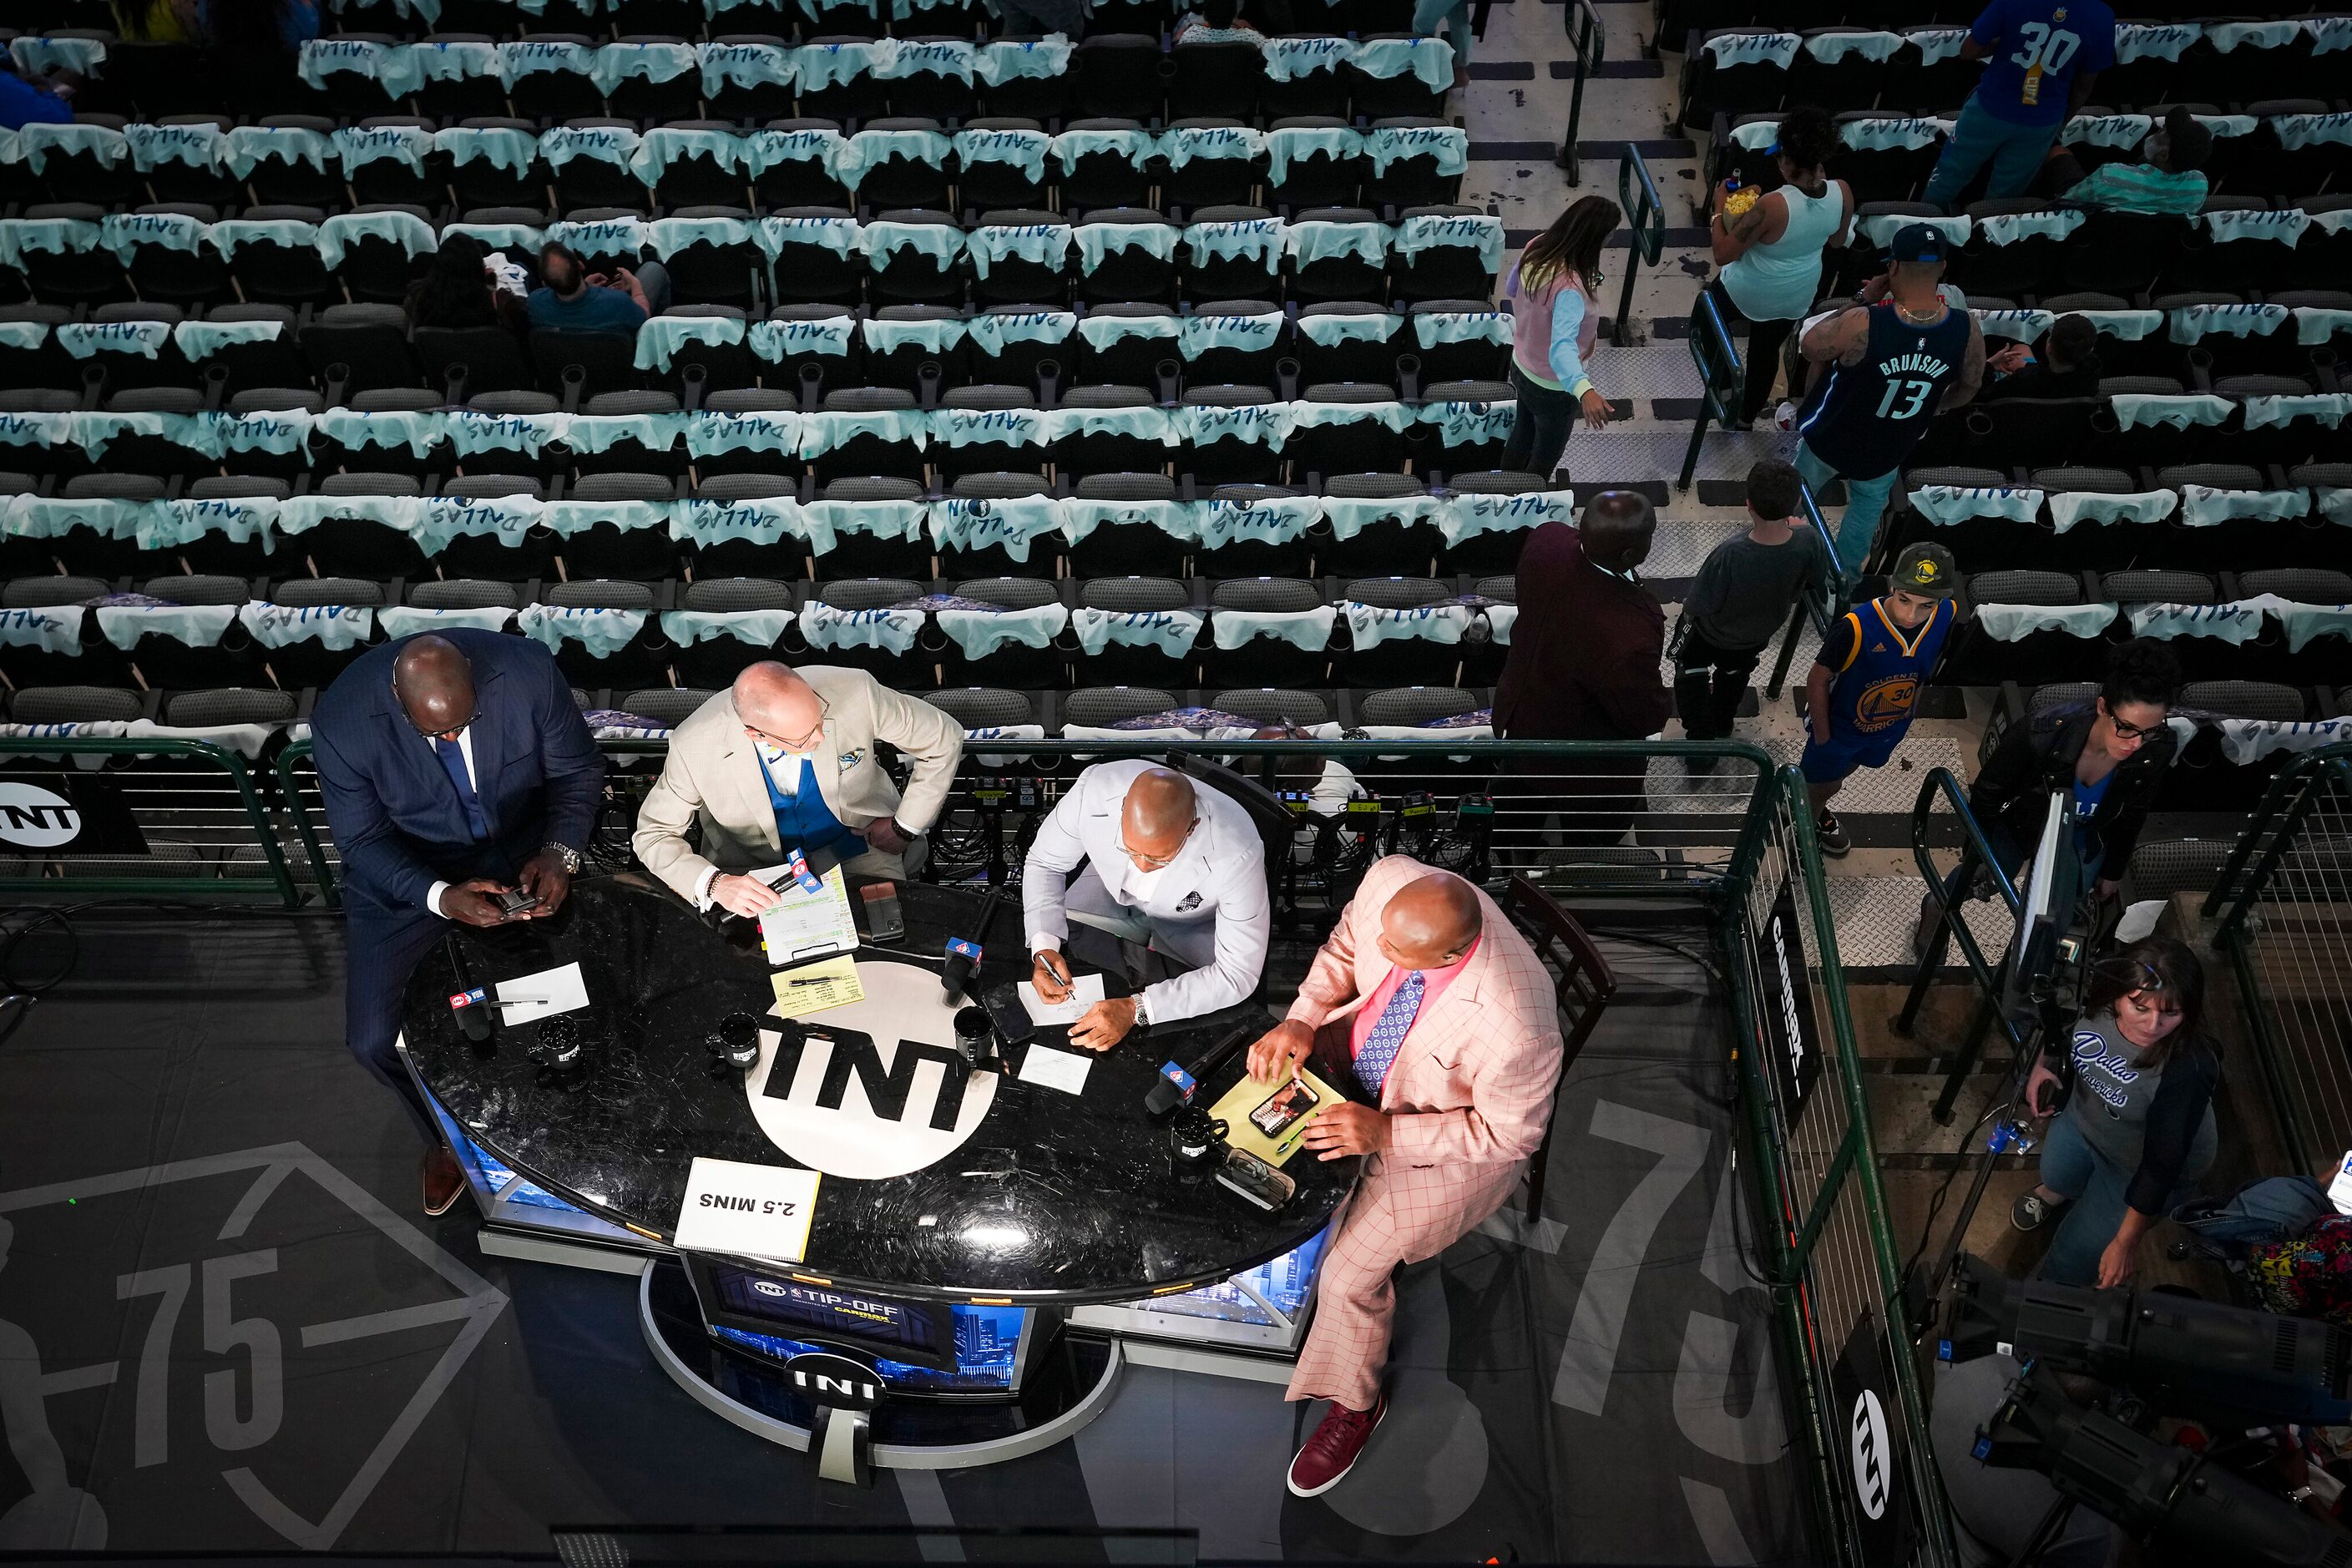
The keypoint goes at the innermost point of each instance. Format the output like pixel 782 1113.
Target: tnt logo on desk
pixel 874 1088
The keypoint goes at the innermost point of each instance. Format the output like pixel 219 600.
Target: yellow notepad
pixel 813 987
pixel 1233 1109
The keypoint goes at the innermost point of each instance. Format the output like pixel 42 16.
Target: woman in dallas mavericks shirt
pixel 2138 1129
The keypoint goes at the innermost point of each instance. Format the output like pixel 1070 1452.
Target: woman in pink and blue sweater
pixel 1555 320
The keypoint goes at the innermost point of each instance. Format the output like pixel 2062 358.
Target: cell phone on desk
pixel 1255 1180
pixel 884 921
pixel 1281 1109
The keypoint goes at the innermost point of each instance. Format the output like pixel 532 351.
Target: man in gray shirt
pixel 1739 600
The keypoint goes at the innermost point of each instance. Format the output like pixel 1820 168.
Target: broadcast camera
pixel 2176 1353
pixel 2181 1505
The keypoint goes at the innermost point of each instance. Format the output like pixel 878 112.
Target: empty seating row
pixel 748 74
pixel 2291 626
pixel 898 162
pixel 2147 421
pixel 347 352
pixel 617 523
pixel 195 630
pixel 185 254
pixel 2199 517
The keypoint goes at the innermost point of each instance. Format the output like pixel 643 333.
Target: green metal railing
pixel 1720 376
pixel 1977 860
pixel 2283 909
pixel 193 824
pixel 1645 215
pixel 1829 1251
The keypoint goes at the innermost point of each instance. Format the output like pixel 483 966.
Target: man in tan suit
pixel 1429 1004
pixel 743 764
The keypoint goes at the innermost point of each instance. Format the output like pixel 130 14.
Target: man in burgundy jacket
pixel 1584 661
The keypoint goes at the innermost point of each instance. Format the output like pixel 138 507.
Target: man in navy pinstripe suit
pixel 455 767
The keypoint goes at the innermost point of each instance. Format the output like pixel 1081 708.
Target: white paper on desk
pixel 566 990
pixel 1085 990
pixel 761 1210
pixel 1065 1071
pixel 805 924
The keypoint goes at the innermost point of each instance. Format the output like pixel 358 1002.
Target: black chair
pixel 1389 544
pixel 859 552
pixel 758 102
pixel 714 662
pixel 1133 273
pixel 985 183
pixel 1246 556
pixel 609 550
pixel 489 557
pixel 900 179
pixel 811 273
pixel 1267 659
pixel 268 362
pixel 478 183
pixel 310 662
pixel 1122 664
pixel 1113 549
pixel 355 546
pixel 376 268
pixel 1118 74
pixel 907 276
pixel 994 560
pixel 555 95
pixel 643 660
pixel 1107 177
pixel 1130 359
pixel 1021 452
pixel 732 558
pixel 1014 278
pixel 1312 176
pixel 1229 459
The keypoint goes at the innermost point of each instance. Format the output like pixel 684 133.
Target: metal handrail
pixel 1645 215
pixel 1976 851
pixel 1588 44
pixel 257 814
pixel 1828 595
pixel 1720 379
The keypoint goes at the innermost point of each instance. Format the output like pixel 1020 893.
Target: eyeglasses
pixel 802 744
pixel 1159 862
pixel 2135 731
pixel 471 709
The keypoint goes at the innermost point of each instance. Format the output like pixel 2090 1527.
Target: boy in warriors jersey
pixel 1864 683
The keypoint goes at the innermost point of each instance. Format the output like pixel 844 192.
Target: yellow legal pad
pixel 1233 1109
pixel 835 984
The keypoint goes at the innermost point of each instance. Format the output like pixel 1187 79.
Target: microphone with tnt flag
pixel 963 955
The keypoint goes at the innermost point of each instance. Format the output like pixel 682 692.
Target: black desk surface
pixel 1053 1198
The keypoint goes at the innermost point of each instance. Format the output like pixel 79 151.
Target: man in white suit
pixel 785 760
pixel 1168 863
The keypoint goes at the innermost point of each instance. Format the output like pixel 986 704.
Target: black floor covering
pixel 225 1326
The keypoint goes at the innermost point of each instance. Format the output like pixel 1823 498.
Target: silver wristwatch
pixel 565 853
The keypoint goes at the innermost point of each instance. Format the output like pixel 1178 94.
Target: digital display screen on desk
pixel 918 1347
pixel 834 1314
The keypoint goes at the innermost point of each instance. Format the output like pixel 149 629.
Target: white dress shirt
pixel 785 770
pixel 466 749
pixel 1220 875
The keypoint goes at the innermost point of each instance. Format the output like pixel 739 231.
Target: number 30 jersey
pixel 1863 420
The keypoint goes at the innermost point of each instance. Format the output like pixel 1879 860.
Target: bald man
pixel 785 758
pixel 1170 865
pixel 1584 664
pixel 1436 1018
pixel 455 766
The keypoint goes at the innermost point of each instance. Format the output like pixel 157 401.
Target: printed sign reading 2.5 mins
pixel 748 1206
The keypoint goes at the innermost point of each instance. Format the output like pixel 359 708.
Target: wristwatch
pixel 566 854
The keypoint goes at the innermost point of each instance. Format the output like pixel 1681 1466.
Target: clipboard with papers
pixel 804 924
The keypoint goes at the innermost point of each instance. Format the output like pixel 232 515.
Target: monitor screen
pixel 986 1360
pixel 864 1320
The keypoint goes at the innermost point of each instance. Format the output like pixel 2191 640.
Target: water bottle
pixel 2010 1138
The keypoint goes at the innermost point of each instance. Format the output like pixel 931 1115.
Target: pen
pixel 825 980
pixel 516 1001
pixel 1055 967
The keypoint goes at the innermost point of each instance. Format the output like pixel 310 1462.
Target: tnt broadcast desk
pixel 985 1252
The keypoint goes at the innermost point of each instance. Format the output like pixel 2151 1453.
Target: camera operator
pixel 2109 757
pixel 2137 1128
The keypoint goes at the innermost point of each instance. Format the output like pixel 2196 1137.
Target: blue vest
pixel 1863 420
pixel 1879 686
pixel 802 820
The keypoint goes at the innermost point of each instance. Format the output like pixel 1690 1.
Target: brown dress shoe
pixel 445 1182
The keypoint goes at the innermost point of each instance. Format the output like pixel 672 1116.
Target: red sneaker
pixel 1332 1451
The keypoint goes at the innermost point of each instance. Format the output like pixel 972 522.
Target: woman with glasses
pixel 2109 755
pixel 2129 1091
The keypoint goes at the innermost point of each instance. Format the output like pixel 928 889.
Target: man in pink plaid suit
pixel 1427 1003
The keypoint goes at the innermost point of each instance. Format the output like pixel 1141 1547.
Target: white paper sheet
pixel 566 990
pixel 1085 990
pixel 806 925
pixel 1065 1071
pixel 762 1211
